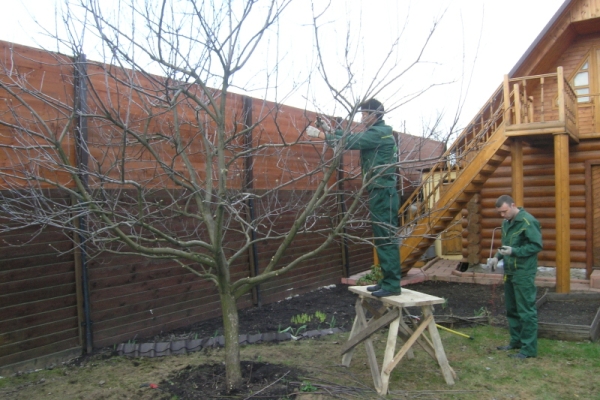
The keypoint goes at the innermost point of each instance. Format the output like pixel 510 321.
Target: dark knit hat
pixel 373 106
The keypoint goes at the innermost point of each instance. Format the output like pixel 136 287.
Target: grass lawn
pixel 562 370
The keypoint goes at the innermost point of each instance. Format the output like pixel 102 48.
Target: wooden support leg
pixel 390 348
pixel 387 369
pixel 356 327
pixel 421 341
pixel 360 322
pixel 405 336
pixel 424 342
pixel 438 347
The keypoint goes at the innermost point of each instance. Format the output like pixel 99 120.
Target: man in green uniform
pixel 378 157
pixel 521 242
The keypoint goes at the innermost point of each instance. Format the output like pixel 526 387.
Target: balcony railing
pixel 540 104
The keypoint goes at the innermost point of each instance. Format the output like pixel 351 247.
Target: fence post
pixel 81 153
pixel 342 210
pixel 248 184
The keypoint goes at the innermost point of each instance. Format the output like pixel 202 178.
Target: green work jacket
pixel 378 153
pixel 524 235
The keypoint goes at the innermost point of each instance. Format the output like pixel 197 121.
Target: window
pixel 581 83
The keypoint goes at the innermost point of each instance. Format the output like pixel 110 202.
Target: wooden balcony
pixel 540 105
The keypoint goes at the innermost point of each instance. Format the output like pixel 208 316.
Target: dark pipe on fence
pixel 342 204
pixel 247 185
pixel 81 139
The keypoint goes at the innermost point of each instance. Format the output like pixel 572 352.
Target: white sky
pixel 476 40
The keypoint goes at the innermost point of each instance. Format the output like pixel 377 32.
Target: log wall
pixel 538 170
pixel 539 200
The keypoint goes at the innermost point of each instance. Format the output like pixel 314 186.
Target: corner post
pixel 563 227
pixel 516 155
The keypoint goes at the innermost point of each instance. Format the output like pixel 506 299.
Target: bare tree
pixel 154 149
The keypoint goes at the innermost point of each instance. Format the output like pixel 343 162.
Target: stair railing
pixel 463 149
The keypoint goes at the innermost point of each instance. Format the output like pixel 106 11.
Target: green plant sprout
pixel 301 319
pixel 332 322
pixel 374 276
pixel 292 331
pixel 320 316
pixel 482 312
pixel 306 386
pixel 445 303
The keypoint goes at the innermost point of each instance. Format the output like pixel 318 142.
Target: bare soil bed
pixel 337 304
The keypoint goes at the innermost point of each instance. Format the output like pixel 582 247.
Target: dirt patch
pixel 260 380
pixel 335 303
pixel 580 312
pixel 334 307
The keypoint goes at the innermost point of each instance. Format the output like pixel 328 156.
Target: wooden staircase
pixel 446 189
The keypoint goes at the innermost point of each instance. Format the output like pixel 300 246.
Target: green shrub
pixel 374 276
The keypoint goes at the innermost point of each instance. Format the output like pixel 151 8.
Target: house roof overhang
pixel 562 29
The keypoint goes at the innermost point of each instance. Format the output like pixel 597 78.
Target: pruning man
pixel 521 243
pixel 378 157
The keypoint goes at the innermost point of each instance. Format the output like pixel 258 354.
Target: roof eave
pixel 540 37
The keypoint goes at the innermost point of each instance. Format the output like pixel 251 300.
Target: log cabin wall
pixel 538 167
pixel 538 180
pixel 131 296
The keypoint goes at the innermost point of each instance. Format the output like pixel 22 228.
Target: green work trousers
pixel 521 312
pixel 383 207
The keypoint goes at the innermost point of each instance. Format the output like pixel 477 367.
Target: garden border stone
pixel 162 349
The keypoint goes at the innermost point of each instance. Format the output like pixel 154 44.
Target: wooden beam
pixel 506 89
pixel 561 94
pixel 390 347
pixel 373 326
pixel 563 221
pixel 534 132
pixel 442 360
pixel 542 127
pixel 517 96
pixel 387 368
pixel 516 154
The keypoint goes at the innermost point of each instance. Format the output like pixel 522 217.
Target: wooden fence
pixel 42 289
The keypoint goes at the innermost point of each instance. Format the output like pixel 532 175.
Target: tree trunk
pixel 232 346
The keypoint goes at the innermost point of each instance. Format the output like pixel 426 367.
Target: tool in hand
pixel 323 124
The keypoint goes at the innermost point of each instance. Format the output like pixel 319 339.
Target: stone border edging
pixel 162 349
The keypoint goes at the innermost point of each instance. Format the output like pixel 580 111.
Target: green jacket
pixel 524 235
pixel 377 148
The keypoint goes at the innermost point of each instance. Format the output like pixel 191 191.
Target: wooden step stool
pixel 392 315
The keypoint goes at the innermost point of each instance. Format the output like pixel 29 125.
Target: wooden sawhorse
pixel 391 315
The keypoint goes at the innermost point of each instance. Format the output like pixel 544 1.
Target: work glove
pixel 312 131
pixel 323 124
pixel 492 263
pixel 505 250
